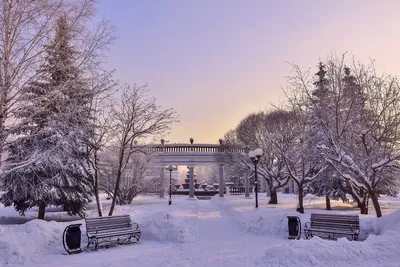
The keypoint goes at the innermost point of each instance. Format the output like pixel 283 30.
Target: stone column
pixel 191 182
pixel 247 184
pixel 221 181
pixel 162 182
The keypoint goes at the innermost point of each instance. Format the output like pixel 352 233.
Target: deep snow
pixel 218 232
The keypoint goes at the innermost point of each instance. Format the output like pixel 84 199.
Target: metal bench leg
pixel 90 241
pixel 355 237
pixel 308 234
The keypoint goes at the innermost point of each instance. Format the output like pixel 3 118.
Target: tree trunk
pixel 300 208
pixel 5 72
pixel 328 202
pixel 42 209
pixel 99 209
pixel 96 186
pixel 363 207
pixel 116 189
pixel 273 197
pixel 375 201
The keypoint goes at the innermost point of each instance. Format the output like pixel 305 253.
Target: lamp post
pixel 255 156
pixel 170 168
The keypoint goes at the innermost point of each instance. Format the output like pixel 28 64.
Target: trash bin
pixel 72 238
pixel 294 225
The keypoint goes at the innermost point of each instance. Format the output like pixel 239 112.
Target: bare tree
pixel 133 180
pixel 255 131
pixel 296 148
pixel 357 118
pixel 102 87
pixel 137 117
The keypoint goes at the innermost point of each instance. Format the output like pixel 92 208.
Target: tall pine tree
pixel 328 184
pixel 44 164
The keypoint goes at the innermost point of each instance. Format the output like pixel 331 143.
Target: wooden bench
pixel 111 229
pixel 333 226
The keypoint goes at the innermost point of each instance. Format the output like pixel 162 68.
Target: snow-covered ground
pixel 217 232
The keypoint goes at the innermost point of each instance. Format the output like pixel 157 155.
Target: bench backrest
pixel 108 223
pixel 335 221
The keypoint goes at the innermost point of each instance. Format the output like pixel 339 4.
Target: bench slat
pixel 333 220
pixel 115 225
pixel 330 230
pixel 334 216
pixel 108 222
pixel 94 231
pixel 334 225
pixel 109 234
pixel 113 230
pixel 107 217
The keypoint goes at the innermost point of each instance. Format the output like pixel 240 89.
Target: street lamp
pixel 170 168
pixel 255 156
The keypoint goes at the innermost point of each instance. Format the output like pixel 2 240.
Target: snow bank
pixel 381 250
pixel 29 242
pixel 378 226
pixel 389 222
pixel 272 222
pixel 161 226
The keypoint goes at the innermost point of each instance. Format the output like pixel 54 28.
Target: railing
pixel 150 191
pixel 239 190
pixel 211 148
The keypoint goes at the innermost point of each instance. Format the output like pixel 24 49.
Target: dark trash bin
pixel 294 225
pixel 72 238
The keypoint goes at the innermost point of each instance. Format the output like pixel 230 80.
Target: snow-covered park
pixel 218 232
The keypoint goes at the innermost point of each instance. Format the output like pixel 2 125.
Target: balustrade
pixel 210 148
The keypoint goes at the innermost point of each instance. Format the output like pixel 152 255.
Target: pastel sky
pixel 215 61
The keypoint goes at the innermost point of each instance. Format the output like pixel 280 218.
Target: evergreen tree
pixel 44 164
pixel 328 184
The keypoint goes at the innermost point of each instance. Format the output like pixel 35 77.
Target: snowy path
pixel 220 232
pixel 220 241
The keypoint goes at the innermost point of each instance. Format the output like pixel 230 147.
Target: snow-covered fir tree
pixel 44 163
pixel 328 184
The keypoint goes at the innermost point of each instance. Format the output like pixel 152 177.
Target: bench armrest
pixel 357 231
pixel 135 226
pixel 307 225
pixel 97 230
